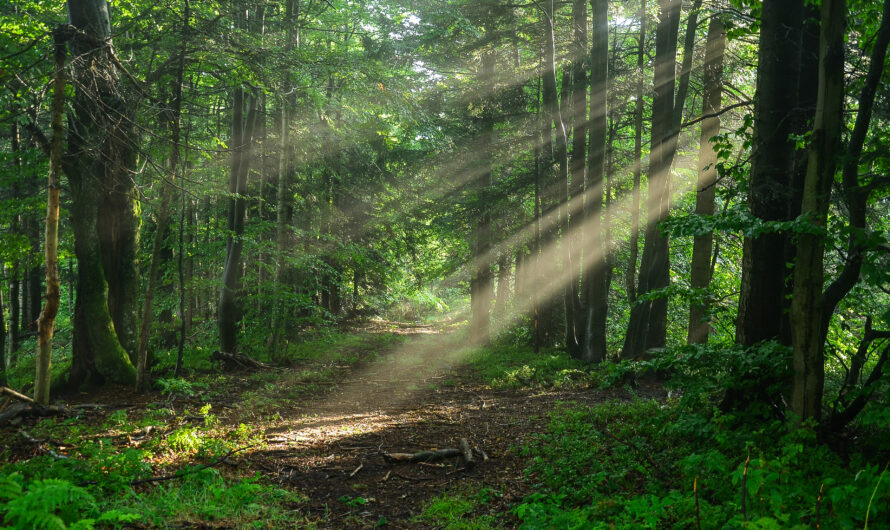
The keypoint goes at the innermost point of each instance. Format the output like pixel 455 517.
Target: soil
pixel 415 397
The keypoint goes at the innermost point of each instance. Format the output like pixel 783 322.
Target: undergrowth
pixel 681 463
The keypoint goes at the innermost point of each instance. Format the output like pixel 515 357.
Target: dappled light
pixel 444 264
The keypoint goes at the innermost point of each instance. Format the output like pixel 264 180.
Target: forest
pixel 463 264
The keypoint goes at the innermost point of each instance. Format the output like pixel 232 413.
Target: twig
pixel 697 512
pixel 745 487
pixel 715 114
pixel 191 471
pixel 868 511
pixel 356 470
pixel 819 506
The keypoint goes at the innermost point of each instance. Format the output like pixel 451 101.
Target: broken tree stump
pixel 467 454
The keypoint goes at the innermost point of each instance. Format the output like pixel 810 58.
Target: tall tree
pixel 172 118
pixel 631 272
pixel 99 160
pixel 762 298
pixel 806 306
pixel 702 246
pixel 244 118
pixel 594 282
pixel 655 249
pixel 46 321
pixel 481 284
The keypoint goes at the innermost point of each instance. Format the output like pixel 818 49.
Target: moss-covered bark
pixel 104 214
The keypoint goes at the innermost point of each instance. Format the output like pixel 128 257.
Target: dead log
pixel 29 409
pixel 235 361
pixel 464 451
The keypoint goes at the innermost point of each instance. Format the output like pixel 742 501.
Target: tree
pixel 655 250
pixel 595 288
pixel 98 163
pixel 700 278
pixel 244 119
pixel 46 321
pixel 761 310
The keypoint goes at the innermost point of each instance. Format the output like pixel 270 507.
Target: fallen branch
pixel 464 451
pixel 12 393
pixel 190 471
pixel 235 361
pixel 422 456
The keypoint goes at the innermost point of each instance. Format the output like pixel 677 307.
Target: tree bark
pixel 630 274
pixel 47 317
pixel 806 306
pixel 2 337
pixel 99 163
pixel 594 282
pixel 640 337
pixel 242 142
pixel 481 284
pixel 762 299
pixel 702 246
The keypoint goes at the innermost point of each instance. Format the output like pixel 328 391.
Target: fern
pixel 51 504
pixel 10 487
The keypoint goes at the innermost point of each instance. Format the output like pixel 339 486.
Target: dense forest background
pixel 682 195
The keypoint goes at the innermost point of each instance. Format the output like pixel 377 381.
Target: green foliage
pixel 180 386
pixel 207 496
pixel 54 504
pixel 509 366
pixel 634 464
pixel 454 510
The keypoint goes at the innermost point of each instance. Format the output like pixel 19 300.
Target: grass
pixel 504 366
pixel 454 510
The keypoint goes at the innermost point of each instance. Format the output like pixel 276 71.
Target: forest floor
pixel 322 426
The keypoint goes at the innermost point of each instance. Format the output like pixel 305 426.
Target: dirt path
pixel 326 423
pixel 416 397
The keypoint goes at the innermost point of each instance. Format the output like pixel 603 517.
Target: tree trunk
pixel 806 306
pixel 99 165
pixel 630 274
pixel 596 293
pixel 703 246
pixel 14 312
pixel 242 142
pixel 641 334
pixel 46 321
pixel 481 288
pixel 503 285
pixel 173 116
pixel 2 337
pixel 762 299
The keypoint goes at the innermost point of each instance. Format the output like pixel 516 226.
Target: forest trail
pixel 415 396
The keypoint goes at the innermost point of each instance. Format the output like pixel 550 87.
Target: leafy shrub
pixel 54 503
pixel 640 464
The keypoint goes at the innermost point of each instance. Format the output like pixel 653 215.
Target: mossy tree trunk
pixel 806 306
pixel 104 215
